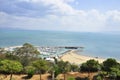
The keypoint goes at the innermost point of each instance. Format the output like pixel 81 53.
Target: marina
pixel 46 52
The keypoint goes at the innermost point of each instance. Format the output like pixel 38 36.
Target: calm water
pixel 96 44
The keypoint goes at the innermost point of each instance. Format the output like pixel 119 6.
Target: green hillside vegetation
pixel 25 60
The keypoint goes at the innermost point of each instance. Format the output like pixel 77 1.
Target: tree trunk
pixel 11 76
pixel 64 76
pixel 40 76
pixel 89 73
pixel 53 75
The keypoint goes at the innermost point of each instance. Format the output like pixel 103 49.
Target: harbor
pixel 50 52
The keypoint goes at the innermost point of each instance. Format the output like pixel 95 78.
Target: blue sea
pixel 103 45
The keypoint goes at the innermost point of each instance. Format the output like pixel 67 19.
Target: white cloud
pixel 115 14
pixel 91 20
pixel 56 6
pixel 62 16
pixel 68 0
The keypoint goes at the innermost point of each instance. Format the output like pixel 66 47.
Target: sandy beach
pixel 75 58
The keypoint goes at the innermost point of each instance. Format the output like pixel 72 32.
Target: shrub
pixel 90 66
pixel 30 70
pixel 112 75
pixel 98 77
pixel 109 63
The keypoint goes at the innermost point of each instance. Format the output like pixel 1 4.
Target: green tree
pixel 59 67
pixel 3 53
pixel 10 56
pixel 112 75
pixel 74 67
pixel 51 69
pixel 10 66
pixel 26 50
pixel 30 70
pixel 109 63
pixel 41 66
pixel 90 66
pixel 115 71
pixel 26 53
pixel 63 67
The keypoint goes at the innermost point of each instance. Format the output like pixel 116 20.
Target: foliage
pixel 112 67
pixel 26 50
pixel 99 77
pixel 90 66
pixel 112 75
pixel 10 56
pixel 9 63
pixel 3 53
pixel 10 66
pixel 26 53
pixel 115 72
pixel 40 65
pixel 109 63
pixel 57 70
pixel 74 67
pixel 30 70
pixel 64 66
pixel 102 74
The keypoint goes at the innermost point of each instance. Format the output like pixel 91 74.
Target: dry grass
pixel 45 76
pixel 21 77
pixel 75 74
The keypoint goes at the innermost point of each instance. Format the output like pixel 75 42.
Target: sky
pixel 61 15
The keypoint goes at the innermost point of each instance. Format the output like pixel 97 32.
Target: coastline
pixel 74 58
pixel 70 55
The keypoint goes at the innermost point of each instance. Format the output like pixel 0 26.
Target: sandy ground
pixel 75 58
pixel 45 76
pixel 75 75
pixel 21 77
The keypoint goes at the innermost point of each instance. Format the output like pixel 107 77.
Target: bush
pixel 109 63
pixel 57 71
pixel 30 70
pixel 10 66
pixel 98 77
pixel 31 73
pixel 90 66
pixel 112 75
pixel 118 75
pixel 74 68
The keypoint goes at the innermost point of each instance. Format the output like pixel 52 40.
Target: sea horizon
pixel 96 44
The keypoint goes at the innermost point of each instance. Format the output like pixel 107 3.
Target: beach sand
pixel 75 58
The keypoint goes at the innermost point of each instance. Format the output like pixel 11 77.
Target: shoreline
pixel 75 58
pixel 70 55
